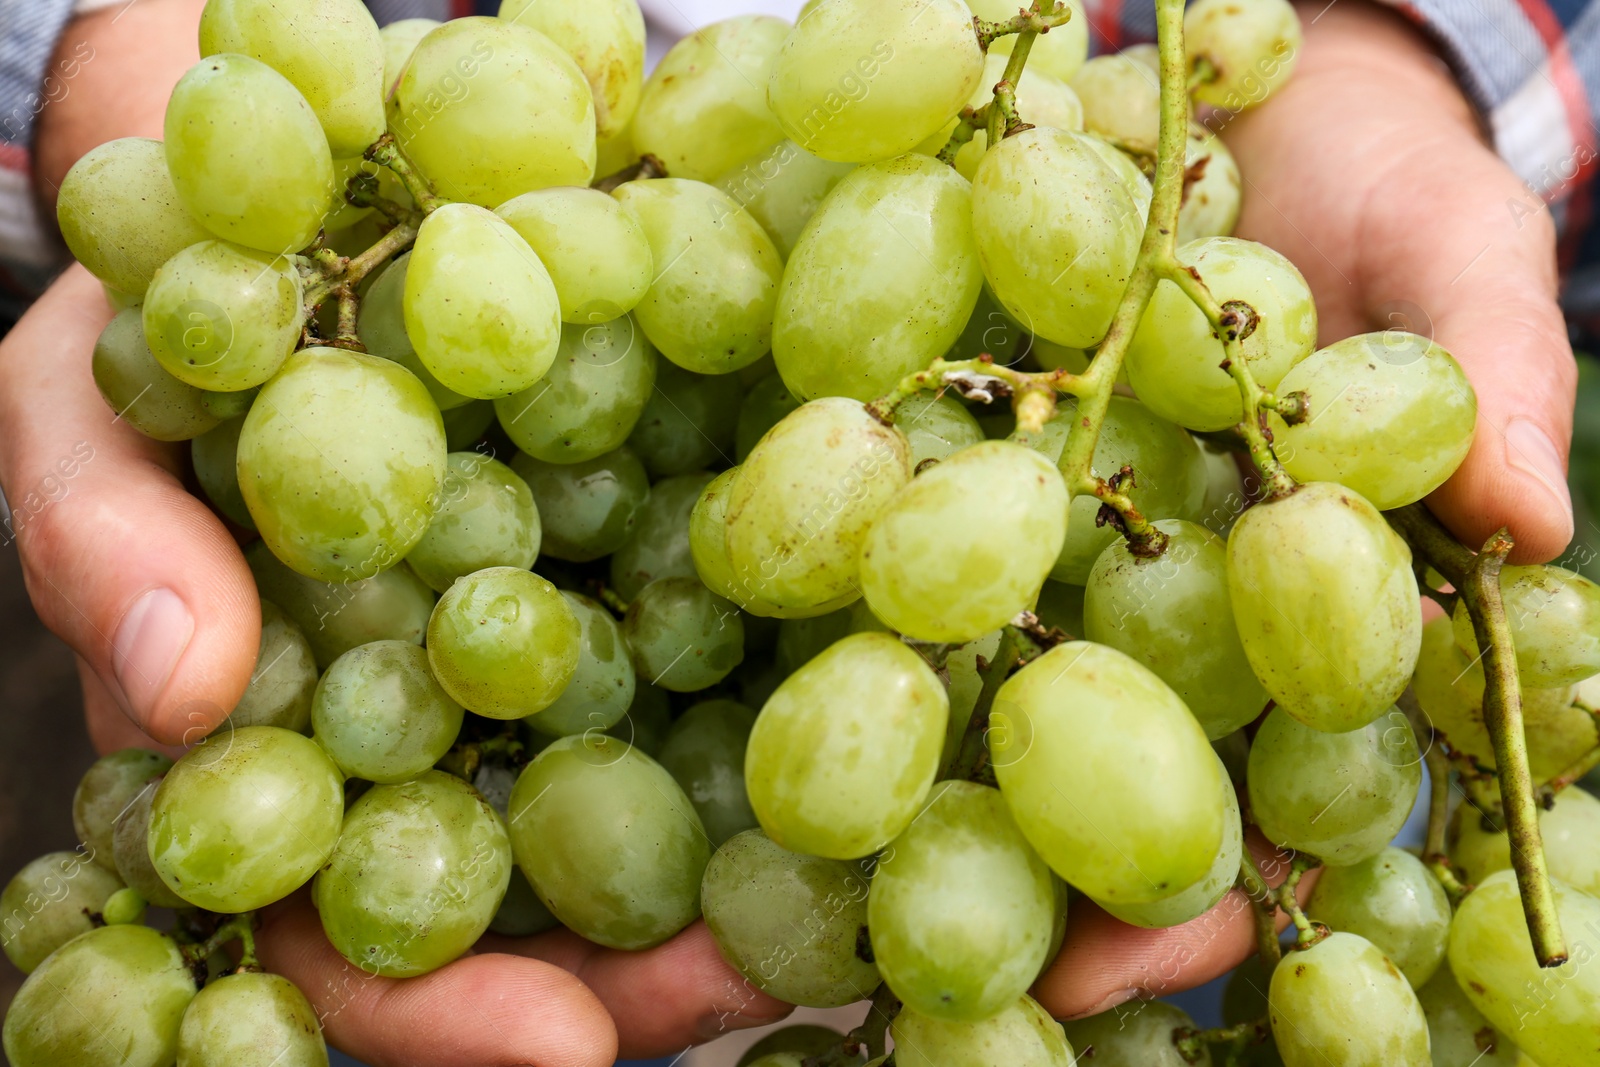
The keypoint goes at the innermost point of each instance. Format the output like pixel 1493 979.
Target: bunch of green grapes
pixel 643 534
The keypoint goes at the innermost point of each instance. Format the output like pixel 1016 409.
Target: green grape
pixel 1211 201
pixel 328 49
pixel 704 110
pixel 247 156
pixel 130 845
pixel 121 216
pixel 1554 618
pixel 647 722
pixel 708 547
pixel 1172 613
pixel 1061 605
pixel 937 569
pixel 1023 1035
pixel 1175 359
pixel 246 818
pixel 794 925
pixel 1569 827
pixel 1400 389
pixel 684 637
pixel 594 248
pixel 805 497
pixel 1326 605
pixel 486 518
pixel 1251 47
pixel 1139 1034
pixel 704 752
pixel 966 684
pixel 251 1020
pixel 1342 1003
pixel 710 305
pixel 841 99
pixel 1046 101
pixel 586 510
pixel 802 640
pixel 1393 901
pixel 882 280
pixel 391 605
pixel 333 505
pixel 659 546
pixel 380 714
pixel 215 456
pixel 284 679
pixel 382 328
pixel 1244 1000
pixel 1341 797
pixel 688 422
pixel 831 775
pixel 479 305
pixel 503 643
pixel 1121 102
pixel 609 841
pixel 1458 1034
pixel 229 406
pixel 1075 737
pixel 765 405
pixel 1132 178
pixel 1058 53
pixel 465 426
pixel 1057 233
pixel 223 317
pixel 961 907
pixel 937 428
pixel 521 913
pixel 605 38
pixel 104 791
pixel 123 907
pixel 490 109
pixel 400 39
pixel 604 682
pixel 802 1039
pixel 1225 492
pixel 992 331
pixel 49 902
pixel 113 997
pixel 782 188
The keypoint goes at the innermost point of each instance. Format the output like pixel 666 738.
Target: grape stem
pixel 1117 509
pixel 362 191
pixel 972 758
pixel 240 928
pixel 1192 1043
pixel 339 272
pixel 647 167
pixel 1434 853
pixel 1041 17
pixel 386 153
pixel 1264 905
pixel 977 379
pixel 1309 933
pixel 870 1038
pixel 1584 764
pixel 1477 578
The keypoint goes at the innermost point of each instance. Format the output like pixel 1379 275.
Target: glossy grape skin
pixel 104 791
pixel 251 1020
pixel 1210 203
pixel 1057 233
pixel 486 518
pixel 284 678
pixel 1081 791
pixel 603 683
pixel 380 714
pixel 246 818
pixel 1175 360
pixel 804 500
pixel 111 998
pixel 937 569
pixel 1554 618
pixel 382 328
pixel 860 81
pixel 332 504
pixel 710 305
pixel 704 752
pixel 594 248
pixel 221 316
pixel 793 925
pixel 120 214
pixel 503 643
pixel 1393 901
pixel 47 904
pixel 400 39
pixel 1121 101
pixel 586 510
pixel 1139 1034
pixel 479 305
pixel 1058 53
pixel 1021 1034
pixel 782 188
pixel 609 841
pixel 1172 614
pixel 803 1039
pixel 491 109
pixel 708 547
pixel 936 428
pixel 215 456
pixel 688 423
pixel 765 405
pixel 1568 829
pixel 1341 1003
pixel 881 282
pixel 1401 390
pixel 1341 797
pixel 394 604
pixel 328 49
pixel 1254 47
pixel 961 907
pixel 247 155
pixel 684 637
pixel 704 109
pixel 607 41
pixel 1458 1034
pixel 130 844
pixel 1326 605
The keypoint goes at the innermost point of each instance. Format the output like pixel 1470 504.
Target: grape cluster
pixel 550 482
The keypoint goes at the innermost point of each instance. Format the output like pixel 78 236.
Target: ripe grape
pixel 1138 1034
pixel 381 715
pixel 251 1020
pixel 802 1039
pixel 1341 1002
pixel 1393 901
pixel 1121 102
pixel 936 428
pixel 1041 101
pixel 782 188
pixel 1253 48
pixel 765 405
pixel 1077 737
pixel 688 423
pixel 1023 1033
pixel 708 544
pixel 284 679
pixel 684 637
pixel 1211 200
pixel 606 39
pixel 130 845
pixel 48 903
pixel 503 643
pixel 1458 1034
pixel 659 547
pixel 400 39
pixel 1568 828
pixel 104 792
pixel 140 390
pixel 382 329
pixel 486 518
pixel 594 248
pixel 586 510
pixel 603 683
pixel 704 752
pixel 1058 53
pixel 1554 618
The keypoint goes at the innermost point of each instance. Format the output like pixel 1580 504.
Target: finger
pixel 110 729
pixel 663 999
pixel 123 564
pixel 1105 962
pixel 480 1011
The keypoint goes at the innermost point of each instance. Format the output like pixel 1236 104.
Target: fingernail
pixel 150 641
pixel 1530 450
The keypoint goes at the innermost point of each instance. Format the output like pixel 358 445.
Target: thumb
pixel 121 562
